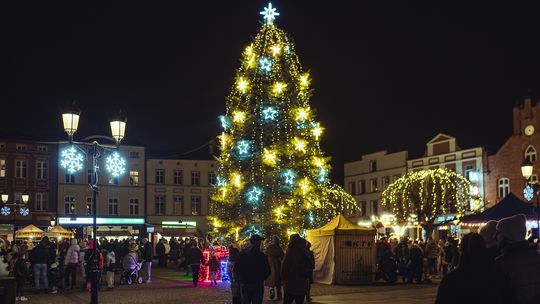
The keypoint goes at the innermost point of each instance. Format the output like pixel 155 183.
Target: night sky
pixel 387 75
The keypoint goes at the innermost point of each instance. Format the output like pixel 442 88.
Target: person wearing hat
pixel 146 255
pixel 252 269
pixel 194 260
pixel 488 233
pixel 519 264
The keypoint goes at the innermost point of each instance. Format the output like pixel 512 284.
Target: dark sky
pixel 387 75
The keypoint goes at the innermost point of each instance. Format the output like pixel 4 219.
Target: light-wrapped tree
pixel 427 194
pixel 273 175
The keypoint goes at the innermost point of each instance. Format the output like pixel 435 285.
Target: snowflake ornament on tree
pixel 115 164
pixel 5 211
pixel 71 160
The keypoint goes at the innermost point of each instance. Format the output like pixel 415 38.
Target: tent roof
pixel 60 231
pixel 508 206
pixel 29 231
pixel 338 223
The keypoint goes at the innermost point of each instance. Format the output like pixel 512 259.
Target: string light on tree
pixel 279 87
pixel 302 114
pixel 276 49
pixel 71 160
pixel 239 117
pixel 236 178
pixel 270 157
pixel 299 144
pixel 253 195
pixel 304 80
pixel 242 85
pixel 317 131
pixel 225 122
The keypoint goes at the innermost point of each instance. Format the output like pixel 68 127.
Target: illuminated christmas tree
pixel 273 176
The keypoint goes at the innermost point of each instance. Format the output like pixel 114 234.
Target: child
pixel 111 264
pixel 21 275
pixel 213 264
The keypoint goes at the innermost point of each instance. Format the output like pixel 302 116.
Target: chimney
pixel 516 118
pixel 527 108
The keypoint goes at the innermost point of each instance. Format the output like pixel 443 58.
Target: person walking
pixel 474 280
pixel 488 233
pixel 295 271
pixel 167 252
pixel 213 266
pixel 71 261
pixel 40 258
pixel 146 252
pixel 194 260
pixel 519 263
pixel 252 269
pixel 275 257
pixel 160 251
pixel 416 262
pixel 110 268
pixel 432 253
pixel 311 256
pixel 235 285
pixel 21 275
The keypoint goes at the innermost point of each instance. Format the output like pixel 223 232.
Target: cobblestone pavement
pixel 171 286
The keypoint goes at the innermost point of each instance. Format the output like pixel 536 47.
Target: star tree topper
pixel 269 14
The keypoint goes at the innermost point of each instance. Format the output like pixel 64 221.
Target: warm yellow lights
pixel 317 132
pixel 304 80
pixel 239 116
pixel 249 50
pixel 216 223
pixel 224 140
pixel 270 157
pixel 242 85
pixel 304 185
pixel 236 179
pixel 278 211
pixel 318 162
pixel 299 144
pixel 276 49
pixel 302 114
pixel 279 87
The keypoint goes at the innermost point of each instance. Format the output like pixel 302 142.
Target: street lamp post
pixel 23 210
pixel 527 171
pixel 72 161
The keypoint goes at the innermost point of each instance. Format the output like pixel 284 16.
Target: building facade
pixel 367 178
pixel 179 195
pixel 120 202
pixel 27 167
pixel 443 152
pixel 503 169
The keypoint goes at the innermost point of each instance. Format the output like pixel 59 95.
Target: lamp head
pixel 70 118
pixel 118 128
pixel 527 169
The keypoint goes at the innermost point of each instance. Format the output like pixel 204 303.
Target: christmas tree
pixel 272 177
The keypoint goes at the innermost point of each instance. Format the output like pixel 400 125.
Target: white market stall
pixel 344 252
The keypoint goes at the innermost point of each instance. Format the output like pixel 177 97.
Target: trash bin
pixel 7 290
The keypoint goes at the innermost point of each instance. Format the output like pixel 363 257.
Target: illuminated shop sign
pixel 100 221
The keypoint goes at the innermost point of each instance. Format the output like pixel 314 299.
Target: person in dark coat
pixel 311 256
pixel 519 264
pixel 488 233
pixel 21 275
pixel 474 280
pixel 296 270
pixel 40 260
pixel 235 285
pixel 160 250
pixel 194 260
pixel 275 257
pixel 252 269
pixel 416 263
pixel 146 255
pixel 213 267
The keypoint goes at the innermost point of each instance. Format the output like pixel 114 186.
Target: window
pixel 42 170
pixel 20 168
pixel 352 188
pixel 69 178
pixel 468 170
pixel 42 203
pixel 374 207
pixel 362 186
pixel 178 177
pixel 134 178
pixel 42 148
pixel 530 154
pixel 195 178
pixel 160 176
pixel 504 187
pixel 195 205
pixel 2 168
pixel 89 205
pixel 533 179
pixel 385 182
pixel 159 205
pixel 113 180
pixel 212 178
pixel 133 154
pixel 89 176
pixel 21 147
pixel 113 206
pixel 178 204
pixel 373 185
pixel 18 198
pixel 133 206
pixel 372 166
pixel 363 207
pixel 69 204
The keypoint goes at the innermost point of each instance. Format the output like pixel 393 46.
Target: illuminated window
pixel 530 154
pixel 195 205
pixel 69 204
pixel 504 187
pixel 20 168
pixel 2 168
pixel 42 202
pixel 195 178
pixel 178 204
pixel 178 177
pixel 134 206
pixel 134 178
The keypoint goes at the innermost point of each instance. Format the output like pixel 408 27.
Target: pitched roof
pixel 508 206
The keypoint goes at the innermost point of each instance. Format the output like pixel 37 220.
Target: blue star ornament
pixel 254 194
pixel 269 14
pixel 269 113
pixel 289 176
pixel 265 64
pixel 243 147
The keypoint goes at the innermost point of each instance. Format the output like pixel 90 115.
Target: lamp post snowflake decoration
pixel 269 147
pixel 5 211
pixel 528 193
pixel 115 164
pixel 24 211
pixel 71 159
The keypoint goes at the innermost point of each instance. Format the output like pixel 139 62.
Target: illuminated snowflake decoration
pixel 115 164
pixel 24 211
pixel 5 211
pixel 528 193
pixel 225 122
pixel 269 14
pixel 71 159
pixel 269 113
pixel 265 65
pixel 254 194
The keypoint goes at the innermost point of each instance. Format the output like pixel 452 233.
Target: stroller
pixel 131 270
pixel 54 275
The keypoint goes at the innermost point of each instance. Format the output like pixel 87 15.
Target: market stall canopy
pixel 29 231
pixel 338 223
pixel 59 231
pixel 508 206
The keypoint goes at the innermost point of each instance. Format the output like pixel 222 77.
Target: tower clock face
pixel 529 130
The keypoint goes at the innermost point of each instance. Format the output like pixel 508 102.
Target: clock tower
pixel 526 118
